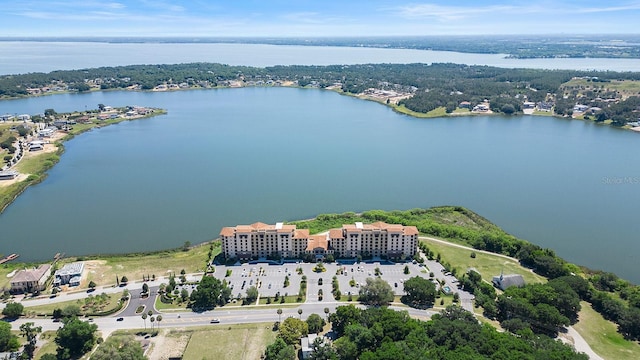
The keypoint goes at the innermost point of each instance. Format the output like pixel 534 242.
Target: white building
pixel 70 274
pixel 377 239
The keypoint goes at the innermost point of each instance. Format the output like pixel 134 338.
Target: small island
pixel 32 144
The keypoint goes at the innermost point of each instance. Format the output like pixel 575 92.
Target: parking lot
pixel 269 279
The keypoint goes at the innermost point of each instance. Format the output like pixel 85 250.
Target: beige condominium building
pixel 260 240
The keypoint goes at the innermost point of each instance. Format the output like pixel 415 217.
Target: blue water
pixel 234 156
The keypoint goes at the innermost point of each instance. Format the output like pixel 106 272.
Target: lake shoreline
pixel 40 174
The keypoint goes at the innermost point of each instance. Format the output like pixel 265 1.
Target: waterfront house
pixel 545 106
pixel 465 105
pixel 70 274
pixel 8 175
pixel 48 132
pixel 24 117
pixel 30 280
pixel 580 108
pixel 503 282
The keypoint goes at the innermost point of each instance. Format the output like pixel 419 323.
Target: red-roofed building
pixel 261 240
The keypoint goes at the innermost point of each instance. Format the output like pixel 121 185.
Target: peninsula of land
pixel 418 90
pixel 32 144
pixel 463 262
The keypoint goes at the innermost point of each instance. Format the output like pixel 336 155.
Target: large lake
pixel 27 56
pixel 233 156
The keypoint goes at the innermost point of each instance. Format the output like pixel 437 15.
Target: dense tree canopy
pixel 384 334
pixel 292 329
pixel 210 292
pixel 13 310
pixel 119 347
pixel 279 350
pixel 8 341
pixel 376 292
pixel 420 291
pixel 315 323
pixel 75 338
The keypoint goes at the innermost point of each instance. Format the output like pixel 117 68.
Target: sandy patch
pixel 163 347
pixel 18 178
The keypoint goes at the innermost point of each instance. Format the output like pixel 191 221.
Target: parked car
pixel 215 321
pixel 120 319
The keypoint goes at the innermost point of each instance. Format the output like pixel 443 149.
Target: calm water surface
pixel 233 156
pixel 22 57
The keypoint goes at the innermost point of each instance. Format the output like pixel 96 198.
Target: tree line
pixel 432 86
pixel 616 299
pixel 378 333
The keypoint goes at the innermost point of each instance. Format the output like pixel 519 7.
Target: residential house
pixel 30 280
pixel 70 274
pixel 503 282
pixel 465 105
pixel 580 108
pixel 306 345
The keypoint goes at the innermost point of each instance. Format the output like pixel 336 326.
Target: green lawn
pixel 488 265
pixel 603 337
pixel 49 346
pixel 435 113
pixel 103 270
pixel 241 342
pixel 86 305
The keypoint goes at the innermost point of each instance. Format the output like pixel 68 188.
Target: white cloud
pixel 446 13
pixel 631 6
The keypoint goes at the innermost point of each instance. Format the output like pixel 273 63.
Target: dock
pixel 9 258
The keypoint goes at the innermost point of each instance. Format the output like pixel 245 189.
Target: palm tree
pixel 144 318
pixel 152 319
pixel 159 318
pixel 300 313
pixel 279 314
pixel 326 313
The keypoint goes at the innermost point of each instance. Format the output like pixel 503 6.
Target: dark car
pixel 120 319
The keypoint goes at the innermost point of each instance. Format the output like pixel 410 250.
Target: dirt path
pixel 578 342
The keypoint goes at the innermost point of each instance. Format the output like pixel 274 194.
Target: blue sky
pixel 308 18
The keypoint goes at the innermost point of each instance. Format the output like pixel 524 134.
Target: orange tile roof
pixel 317 241
pixel 227 231
pixel 411 230
pixel 259 225
pixel 301 234
pixel 336 234
pixel 243 228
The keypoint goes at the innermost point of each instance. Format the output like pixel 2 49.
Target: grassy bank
pixel 37 166
pixel 603 337
pixel 104 269
pixel 487 265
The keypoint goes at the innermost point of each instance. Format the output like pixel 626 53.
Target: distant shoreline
pixel 576 46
